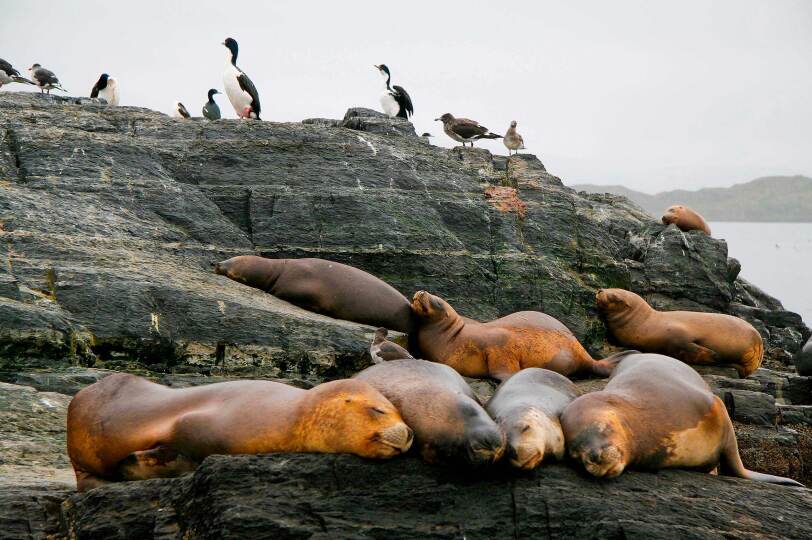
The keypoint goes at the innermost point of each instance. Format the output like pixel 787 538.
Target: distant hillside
pixel 774 198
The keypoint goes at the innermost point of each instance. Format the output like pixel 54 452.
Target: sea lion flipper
pixel 158 462
pixel 730 462
pixel 693 353
pixel 605 367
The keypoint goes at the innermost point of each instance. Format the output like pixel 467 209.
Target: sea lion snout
pixel 398 436
pixel 532 439
pixel 485 447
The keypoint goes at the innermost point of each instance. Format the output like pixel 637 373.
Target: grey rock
pixel 795 414
pixel 109 231
pixel 31 511
pixel 751 407
pixel 68 381
pixel 308 496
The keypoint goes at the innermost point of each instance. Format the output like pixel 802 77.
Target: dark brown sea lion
pixel 330 288
pixel 502 347
pixel 527 408
pixel 383 350
pixel 655 413
pixel 127 428
pixel 693 337
pixel 435 401
pixel 685 219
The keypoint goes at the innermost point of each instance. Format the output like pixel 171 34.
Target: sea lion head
pixel 596 435
pixel 673 214
pixel 250 270
pixel 350 416
pixel 484 441
pixel 531 436
pixel 610 300
pixel 430 307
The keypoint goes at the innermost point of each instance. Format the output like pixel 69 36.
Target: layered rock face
pixel 110 218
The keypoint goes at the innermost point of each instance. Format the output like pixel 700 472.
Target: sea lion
pixel 654 413
pixel 125 427
pixel 527 408
pixel 435 401
pixel 685 219
pixel 693 337
pixel 330 288
pixel 502 347
pixel 383 350
pixel 803 360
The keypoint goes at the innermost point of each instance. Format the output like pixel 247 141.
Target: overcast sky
pixel 654 96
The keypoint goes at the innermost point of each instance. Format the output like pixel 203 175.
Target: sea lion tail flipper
pixel 730 463
pixel 751 360
pixel 605 367
pixel 158 462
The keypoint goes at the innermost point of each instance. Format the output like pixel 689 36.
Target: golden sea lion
pixel 654 413
pixel 502 347
pixel 128 428
pixel 330 288
pixel 693 337
pixel 685 219
pixel 435 401
pixel 527 408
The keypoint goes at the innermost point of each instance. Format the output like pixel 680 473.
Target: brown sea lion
pixel 654 413
pixel 693 337
pixel 685 219
pixel 330 288
pixel 383 350
pixel 128 428
pixel 502 347
pixel 435 401
pixel 527 408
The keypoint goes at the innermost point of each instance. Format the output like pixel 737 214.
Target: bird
pixel 240 90
pixel 394 99
pixel 9 75
pixel 180 111
pixel 106 88
pixel 513 141
pixel 383 350
pixel 45 79
pixel 464 130
pixel 211 110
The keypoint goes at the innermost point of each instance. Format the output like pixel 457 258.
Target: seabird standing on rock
pixel 394 99
pixel 180 111
pixel 464 130
pixel 383 350
pixel 211 110
pixel 106 88
pixel 513 141
pixel 9 75
pixel 240 90
pixel 44 78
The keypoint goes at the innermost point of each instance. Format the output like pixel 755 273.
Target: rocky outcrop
pixel 110 218
pixel 305 496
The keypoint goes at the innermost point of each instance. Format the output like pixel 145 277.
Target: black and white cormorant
pixel 180 111
pixel 464 130
pixel 394 99
pixel 9 75
pixel 240 90
pixel 45 79
pixel 106 88
pixel 211 111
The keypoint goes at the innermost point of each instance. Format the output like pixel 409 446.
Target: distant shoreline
pixel 775 199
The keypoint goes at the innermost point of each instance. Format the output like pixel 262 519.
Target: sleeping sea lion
pixel 125 427
pixel 693 337
pixel 330 288
pixel 435 401
pixel 654 413
pixel 527 408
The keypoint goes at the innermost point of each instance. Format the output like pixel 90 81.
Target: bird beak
pixel 437 119
pixel 223 43
pixel 376 67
